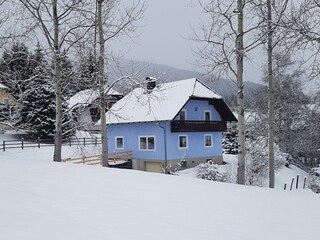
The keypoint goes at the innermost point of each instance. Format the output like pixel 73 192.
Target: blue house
pixel 170 124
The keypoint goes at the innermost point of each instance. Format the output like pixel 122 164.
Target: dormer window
pixel 182 115
pixel 207 116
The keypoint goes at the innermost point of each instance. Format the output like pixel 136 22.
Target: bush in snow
pixel 210 171
pixel 257 161
pixel 314 183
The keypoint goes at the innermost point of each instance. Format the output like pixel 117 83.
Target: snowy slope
pixel 41 200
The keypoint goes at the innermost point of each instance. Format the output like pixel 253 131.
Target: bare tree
pixel 112 23
pixel 62 24
pixel 274 37
pixel 222 51
pixel 270 97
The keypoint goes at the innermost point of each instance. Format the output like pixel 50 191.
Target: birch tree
pixel 222 52
pixel 112 22
pixel 272 40
pixel 62 24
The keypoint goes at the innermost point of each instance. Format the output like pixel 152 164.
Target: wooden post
pixel 21 143
pixel 304 182
pixel 285 186
pixel 96 141
pixel 291 184
pixel 70 141
pixel 4 145
pixel 297 183
pixel 84 141
pixel 38 142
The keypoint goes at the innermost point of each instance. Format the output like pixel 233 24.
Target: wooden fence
pixel 38 143
pixel 114 158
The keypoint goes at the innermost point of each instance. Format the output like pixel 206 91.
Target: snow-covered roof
pixel 88 96
pixel 162 104
pixel 2 86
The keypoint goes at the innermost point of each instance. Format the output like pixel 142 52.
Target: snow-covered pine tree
pixel 69 80
pixel 36 106
pixel 87 72
pixel 15 69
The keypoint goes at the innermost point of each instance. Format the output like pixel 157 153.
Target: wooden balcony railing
pixel 198 126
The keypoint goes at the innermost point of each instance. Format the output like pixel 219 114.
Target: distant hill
pixel 226 88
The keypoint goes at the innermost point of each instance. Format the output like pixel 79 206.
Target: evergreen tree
pixel 15 69
pixel 88 72
pixel 36 108
pixel 69 81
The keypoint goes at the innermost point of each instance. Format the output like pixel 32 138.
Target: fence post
pixel 304 182
pixel 84 141
pixel 291 184
pixel 38 142
pixel 96 141
pixel 4 145
pixel 297 183
pixel 22 143
pixel 70 141
pixel 285 186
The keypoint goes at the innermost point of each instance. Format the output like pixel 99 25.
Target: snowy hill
pixel 224 87
pixel 41 199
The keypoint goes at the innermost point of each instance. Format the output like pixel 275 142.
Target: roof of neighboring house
pixel 2 86
pixel 163 103
pixel 88 96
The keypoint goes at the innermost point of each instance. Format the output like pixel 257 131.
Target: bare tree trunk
pixel 101 86
pixel 270 98
pixel 240 97
pixel 57 81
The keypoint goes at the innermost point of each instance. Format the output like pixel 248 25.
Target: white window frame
pixel 116 143
pixel 185 115
pixel 187 142
pixel 204 115
pixel 148 150
pixel 204 140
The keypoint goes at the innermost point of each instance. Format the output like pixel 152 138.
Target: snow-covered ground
pixel 282 177
pixel 41 199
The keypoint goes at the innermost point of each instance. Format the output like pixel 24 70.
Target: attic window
pixel 207 116
pixel 182 115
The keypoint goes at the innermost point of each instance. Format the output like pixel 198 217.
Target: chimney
pixel 151 84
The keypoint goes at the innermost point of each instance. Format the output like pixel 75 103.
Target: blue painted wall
pixel 195 111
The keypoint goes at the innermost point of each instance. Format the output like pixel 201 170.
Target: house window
pixel 119 143
pixel 208 140
pixel 182 115
pixel 183 141
pixel 6 101
pixel 147 143
pixel 207 116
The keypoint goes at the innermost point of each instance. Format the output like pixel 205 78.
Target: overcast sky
pixel 163 39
